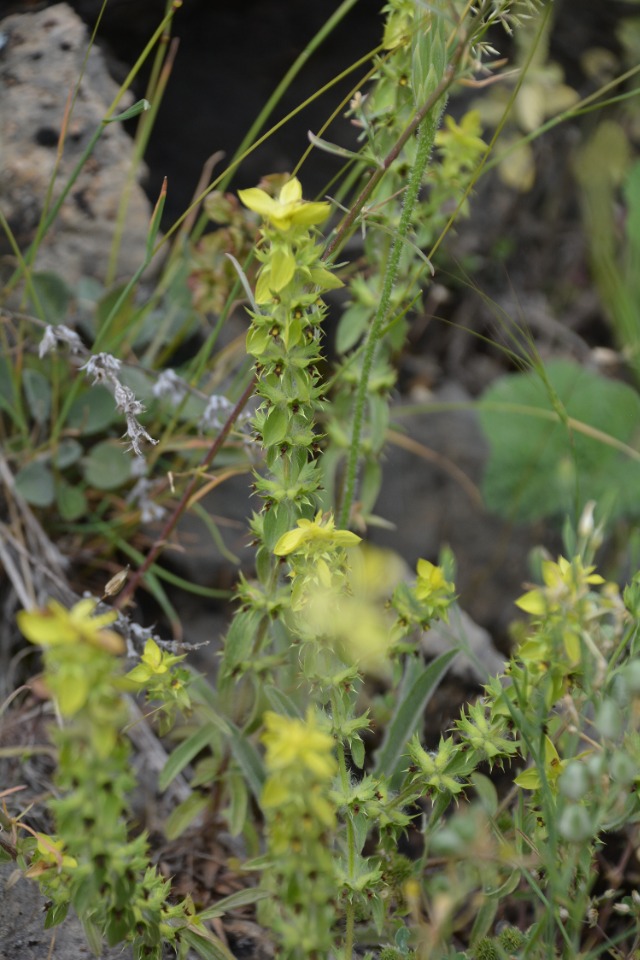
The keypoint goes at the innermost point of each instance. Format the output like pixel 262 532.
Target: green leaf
pixel 357 752
pixel 184 814
pixel 186 751
pixel 238 644
pixel 409 711
pixel 487 793
pixel 538 466
pixel 108 466
pixel 35 483
pixel 249 760
pixel 240 899
pixel 206 945
pixel 37 390
pixel 71 501
pixel 8 399
pixel 483 921
pixel 275 427
pixel 258 339
pixel 133 111
pixel 236 814
pixel 55 915
pixel 92 412
pixel 67 453
pixel 53 295
pixel 277 521
pixel 281 702
pixel 156 218
pixel 352 326
pixel 93 934
pixel 632 197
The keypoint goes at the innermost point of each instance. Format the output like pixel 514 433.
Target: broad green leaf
pixel 539 466
pixel 92 412
pixel 238 644
pixel 66 453
pixel 487 793
pixel 357 752
pixel 55 915
pixel 276 522
pixel 108 466
pixel 37 390
pixel 275 427
pixel 35 483
pixel 410 707
pixel 53 295
pixel 184 814
pixel 352 326
pixel 71 501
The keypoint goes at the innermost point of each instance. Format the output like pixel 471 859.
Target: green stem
pixel 351 841
pixel 426 134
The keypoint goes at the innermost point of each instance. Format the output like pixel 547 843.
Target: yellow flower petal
pixel 532 602
pixel 258 200
pixel 291 191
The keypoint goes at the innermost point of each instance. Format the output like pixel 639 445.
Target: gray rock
pixel 432 495
pixel 22 933
pixel 478 659
pixel 40 64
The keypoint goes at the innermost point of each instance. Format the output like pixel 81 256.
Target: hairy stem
pixel 426 134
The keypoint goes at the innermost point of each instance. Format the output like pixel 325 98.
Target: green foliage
pixel 560 440
pixel 280 746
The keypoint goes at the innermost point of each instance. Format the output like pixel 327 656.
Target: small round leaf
pixel 108 466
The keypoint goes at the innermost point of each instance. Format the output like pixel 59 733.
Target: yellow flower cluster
pixel 54 625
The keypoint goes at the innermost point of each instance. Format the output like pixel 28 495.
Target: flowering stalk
pixel 301 822
pixel 284 340
pixel 93 864
pixel 425 63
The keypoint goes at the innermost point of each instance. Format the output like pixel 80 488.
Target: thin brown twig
pixel 348 220
pixel 171 523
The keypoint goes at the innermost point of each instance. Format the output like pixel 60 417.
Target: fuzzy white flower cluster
pixel 60 334
pixel 140 494
pixel 171 386
pixel 215 413
pixel 105 369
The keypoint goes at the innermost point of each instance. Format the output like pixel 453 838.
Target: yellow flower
pixel 298 744
pixel 430 582
pixel 315 531
pixel 564 581
pixel 153 663
pixel 56 626
pixel 289 210
pixel 464 135
pixel 50 855
pixel 530 778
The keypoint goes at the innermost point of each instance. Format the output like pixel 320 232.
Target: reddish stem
pixel 170 525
